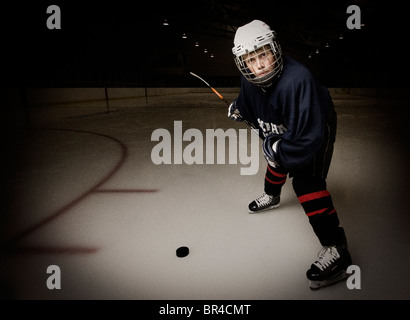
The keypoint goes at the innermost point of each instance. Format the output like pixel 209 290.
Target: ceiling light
pixel 165 23
pixel 184 36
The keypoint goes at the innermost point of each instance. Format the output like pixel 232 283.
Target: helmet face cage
pixel 261 65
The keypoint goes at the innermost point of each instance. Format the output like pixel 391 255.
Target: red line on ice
pixel 11 242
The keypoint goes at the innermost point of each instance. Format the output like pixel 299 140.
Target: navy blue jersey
pixel 295 107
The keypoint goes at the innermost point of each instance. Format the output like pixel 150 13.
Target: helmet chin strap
pixel 273 81
pixel 266 86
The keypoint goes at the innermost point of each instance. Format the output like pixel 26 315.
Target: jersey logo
pixel 268 128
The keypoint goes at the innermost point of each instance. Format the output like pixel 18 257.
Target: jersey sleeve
pixel 246 101
pixel 304 117
pixel 241 102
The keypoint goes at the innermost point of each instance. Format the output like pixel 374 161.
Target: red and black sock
pixel 275 178
pixel 318 206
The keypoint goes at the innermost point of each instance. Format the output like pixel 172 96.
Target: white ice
pixel 127 216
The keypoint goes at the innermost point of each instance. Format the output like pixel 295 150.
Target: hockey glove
pixel 233 112
pixel 270 147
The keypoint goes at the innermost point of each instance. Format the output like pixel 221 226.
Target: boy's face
pixel 261 61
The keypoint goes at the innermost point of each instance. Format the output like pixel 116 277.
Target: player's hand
pixel 233 112
pixel 270 147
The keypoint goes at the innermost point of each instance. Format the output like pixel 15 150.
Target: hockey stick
pixel 217 93
pixel 226 101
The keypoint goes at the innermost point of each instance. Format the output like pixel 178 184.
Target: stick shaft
pixel 224 100
pixel 213 89
pixel 195 75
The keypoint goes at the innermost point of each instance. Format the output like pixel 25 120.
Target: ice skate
pixel 264 202
pixel 330 267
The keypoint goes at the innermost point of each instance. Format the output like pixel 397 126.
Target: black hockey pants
pixel 309 184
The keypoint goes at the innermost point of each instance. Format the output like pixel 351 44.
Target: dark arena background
pixel 88 213
pixel 126 44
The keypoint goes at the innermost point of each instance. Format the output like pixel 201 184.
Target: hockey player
pixel 297 122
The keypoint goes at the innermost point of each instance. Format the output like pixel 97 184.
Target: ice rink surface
pixel 85 195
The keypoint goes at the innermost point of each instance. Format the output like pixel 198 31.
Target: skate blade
pixel 316 285
pixel 266 209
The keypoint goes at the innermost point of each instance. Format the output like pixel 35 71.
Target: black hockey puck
pixel 182 252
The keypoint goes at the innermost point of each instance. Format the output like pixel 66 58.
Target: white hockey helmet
pixel 250 38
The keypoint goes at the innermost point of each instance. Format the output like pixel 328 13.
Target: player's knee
pixel 304 185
